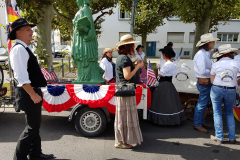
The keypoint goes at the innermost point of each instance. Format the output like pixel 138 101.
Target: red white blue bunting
pixel 111 105
pixel 57 98
pixel 92 95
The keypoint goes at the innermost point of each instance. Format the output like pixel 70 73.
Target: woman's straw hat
pixel 206 38
pixel 126 39
pixel 224 49
pixel 108 49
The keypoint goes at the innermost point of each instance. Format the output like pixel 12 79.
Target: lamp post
pixel 134 4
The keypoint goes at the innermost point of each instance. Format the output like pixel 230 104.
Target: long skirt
pixel 127 129
pixel 166 108
pixel 143 75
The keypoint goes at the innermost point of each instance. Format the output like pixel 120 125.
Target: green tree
pixel 40 12
pixel 66 10
pixel 149 15
pixel 206 14
pixel 58 14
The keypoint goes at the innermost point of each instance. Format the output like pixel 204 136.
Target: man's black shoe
pixel 42 157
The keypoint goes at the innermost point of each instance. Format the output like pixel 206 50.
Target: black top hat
pixel 168 51
pixel 16 25
pixel 139 46
pixel 170 44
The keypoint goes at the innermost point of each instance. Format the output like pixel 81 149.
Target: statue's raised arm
pixel 85 46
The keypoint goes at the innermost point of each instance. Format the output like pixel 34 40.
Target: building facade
pixel 174 30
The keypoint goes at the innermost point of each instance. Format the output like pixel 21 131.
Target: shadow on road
pixel 171 140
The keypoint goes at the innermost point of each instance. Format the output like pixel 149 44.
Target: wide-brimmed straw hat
pixel 16 25
pixel 224 49
pixel 126 39
pixel 206 38
pixel 168 51
pixel 108 49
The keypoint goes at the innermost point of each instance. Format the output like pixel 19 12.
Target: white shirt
pixel 225 71
pixel 140 57
pixel 168 69
pixel 202 64
pixel 19 60
pixel 107 67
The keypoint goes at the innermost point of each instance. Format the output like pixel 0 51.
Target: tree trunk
pixel 44 37
pixel 202 27
pixel 144 42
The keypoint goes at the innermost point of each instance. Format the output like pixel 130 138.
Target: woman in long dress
pixel 127 129
pixel 166 108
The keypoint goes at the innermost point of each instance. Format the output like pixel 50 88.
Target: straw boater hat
pixel 206 38
pixel 108 49
pixel 224 49
pixel 126 39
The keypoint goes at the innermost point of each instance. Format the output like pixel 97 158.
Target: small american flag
pixel 151 78
pixel 46 74
pixel 53 73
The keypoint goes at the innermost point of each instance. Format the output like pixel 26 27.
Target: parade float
pixel 91 100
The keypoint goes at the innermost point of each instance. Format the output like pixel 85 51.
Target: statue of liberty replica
pixel 85 47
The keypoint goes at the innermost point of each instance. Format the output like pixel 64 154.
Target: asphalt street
pixel 159 142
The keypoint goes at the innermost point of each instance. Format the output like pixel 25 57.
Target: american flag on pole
pixel 151 78
pixel 53 73
pixel 12 14
pixel 46 74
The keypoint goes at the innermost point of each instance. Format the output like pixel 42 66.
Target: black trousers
pixel 29 142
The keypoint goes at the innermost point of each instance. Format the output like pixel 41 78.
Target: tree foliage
pixel 207 12
pixel 66 10
pixel 150 14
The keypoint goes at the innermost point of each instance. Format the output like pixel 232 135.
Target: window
pixel 175 37
pixel 122 34
pixel 186 53
pixel 228 37
pixel 176 18
pixel 191 37
pixel 124 14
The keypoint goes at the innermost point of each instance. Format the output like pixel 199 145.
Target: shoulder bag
pixel 125 90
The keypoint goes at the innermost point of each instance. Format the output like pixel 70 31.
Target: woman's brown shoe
pixel 200 129
pixel 215 139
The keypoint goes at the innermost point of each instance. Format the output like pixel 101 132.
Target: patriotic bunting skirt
pixel 58 98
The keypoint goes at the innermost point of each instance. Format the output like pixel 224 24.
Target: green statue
pixel 85 47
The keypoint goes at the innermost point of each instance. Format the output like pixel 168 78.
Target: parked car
pixel 3 57
pixel 61 50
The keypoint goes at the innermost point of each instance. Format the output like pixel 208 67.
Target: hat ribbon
pixel 123 42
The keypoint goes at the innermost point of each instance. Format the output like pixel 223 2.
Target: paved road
pixel 160 142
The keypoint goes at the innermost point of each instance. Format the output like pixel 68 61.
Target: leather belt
pixel 224 87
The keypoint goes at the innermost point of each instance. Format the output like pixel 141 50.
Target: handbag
pixel 204 81
pixel 125 90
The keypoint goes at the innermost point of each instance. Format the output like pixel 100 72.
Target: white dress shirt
pixel 225 71
pixel 107 67
pixel 19 60
pixel 168 69
pixel 140 57
pixel 202 64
